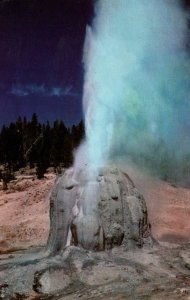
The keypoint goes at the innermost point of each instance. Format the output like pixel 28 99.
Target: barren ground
pixel 168 207
pixel 24 211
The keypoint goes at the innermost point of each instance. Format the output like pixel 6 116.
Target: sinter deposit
pixel 97 213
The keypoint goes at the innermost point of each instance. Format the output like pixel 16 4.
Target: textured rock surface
pixel 97 213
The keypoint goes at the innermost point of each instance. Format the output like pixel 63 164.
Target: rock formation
pixel 97 213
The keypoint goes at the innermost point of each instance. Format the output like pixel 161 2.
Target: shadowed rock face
pixel 97 213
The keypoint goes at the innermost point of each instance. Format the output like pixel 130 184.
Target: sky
pixel 41 49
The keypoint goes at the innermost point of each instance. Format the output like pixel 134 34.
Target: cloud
pixel 58 92
pixel 32 89
pixel 18 91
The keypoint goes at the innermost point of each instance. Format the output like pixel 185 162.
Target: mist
pixel 136 91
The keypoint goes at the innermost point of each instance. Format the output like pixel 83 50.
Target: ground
pixel 168 207
pixel 24 213
pixel 24 210
pixel 159 272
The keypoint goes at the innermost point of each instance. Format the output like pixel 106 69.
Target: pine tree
pixel 77 133
pixel 40 145
pixel 33 132
pixel 44 151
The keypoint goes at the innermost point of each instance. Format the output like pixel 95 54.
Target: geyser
pixel 136 104
pixel 136 90
pixel 98 213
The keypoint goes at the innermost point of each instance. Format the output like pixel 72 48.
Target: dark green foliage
pixel 7 175
pixel 77 133
pixel 39 145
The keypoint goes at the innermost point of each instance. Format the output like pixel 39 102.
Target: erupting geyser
pixel 136 91
pixel 136 94
pixel 136 105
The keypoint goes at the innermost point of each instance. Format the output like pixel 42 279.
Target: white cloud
pixel 32 89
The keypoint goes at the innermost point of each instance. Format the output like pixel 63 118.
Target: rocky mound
pixel 97 213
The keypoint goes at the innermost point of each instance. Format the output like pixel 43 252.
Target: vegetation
pixel 30 143
pixel 37 145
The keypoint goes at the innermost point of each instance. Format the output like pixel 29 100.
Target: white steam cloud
pixel 137 91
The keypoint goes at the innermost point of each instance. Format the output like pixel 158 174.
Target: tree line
pixel 29 142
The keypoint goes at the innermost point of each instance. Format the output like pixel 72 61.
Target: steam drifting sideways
pixel 136 91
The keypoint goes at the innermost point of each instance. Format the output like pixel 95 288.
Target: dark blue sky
pixel 41 43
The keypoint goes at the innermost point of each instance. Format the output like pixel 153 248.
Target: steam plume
pixel 137 91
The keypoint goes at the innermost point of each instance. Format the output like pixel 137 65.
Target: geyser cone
pixel 97 213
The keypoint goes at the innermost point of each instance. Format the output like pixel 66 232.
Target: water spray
pixel 136 90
